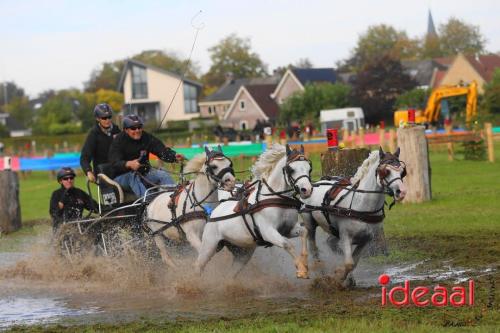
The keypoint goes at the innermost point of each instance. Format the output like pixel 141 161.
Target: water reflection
pixel 28 311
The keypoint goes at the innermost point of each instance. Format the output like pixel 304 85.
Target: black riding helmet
pixel 132 120
pixel 65 172
pixel 103 110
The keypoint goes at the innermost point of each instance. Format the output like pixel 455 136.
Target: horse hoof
pixel 302 275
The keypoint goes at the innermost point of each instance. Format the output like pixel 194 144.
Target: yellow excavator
pixel 433 108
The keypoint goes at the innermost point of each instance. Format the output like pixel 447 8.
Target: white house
pixel 148 91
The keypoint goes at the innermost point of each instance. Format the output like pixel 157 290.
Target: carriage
pixel 122 221
pixel 115 225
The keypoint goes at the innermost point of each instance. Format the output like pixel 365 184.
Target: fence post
pixel 10 218
pixel 381 137
pixel 489 141
pixel 392 140
pixel 414 152
pixel 450 143
pixel 345 137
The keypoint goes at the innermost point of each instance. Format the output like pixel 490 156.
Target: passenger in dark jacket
pixel 96 146
pixel 68 202
pixel 129 155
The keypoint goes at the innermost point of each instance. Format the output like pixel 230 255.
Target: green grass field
pixel 461 226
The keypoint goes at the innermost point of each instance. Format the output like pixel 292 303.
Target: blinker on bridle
pixel 215 155
pixel 287 169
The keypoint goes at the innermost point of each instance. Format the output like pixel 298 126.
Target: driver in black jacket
pixel 129 157
pixel 68 202
pixel 96 146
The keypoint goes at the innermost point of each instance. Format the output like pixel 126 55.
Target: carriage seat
pixel 112 193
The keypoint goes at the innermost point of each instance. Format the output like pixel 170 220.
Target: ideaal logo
pixel 424 296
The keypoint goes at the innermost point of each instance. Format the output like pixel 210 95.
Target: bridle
pixel 390 162
pixel 210 168
pixel 288 170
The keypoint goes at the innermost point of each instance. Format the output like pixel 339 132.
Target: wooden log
pixel 414 152
pixel 10 217
pixel 489 141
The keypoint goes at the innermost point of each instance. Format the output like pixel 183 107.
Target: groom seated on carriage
pixel 129 157
pixel 68 202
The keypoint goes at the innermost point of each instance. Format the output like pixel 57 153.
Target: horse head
pixel 219 168
pixel 390 173
pixel 297 171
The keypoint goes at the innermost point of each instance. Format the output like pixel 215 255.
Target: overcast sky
pixel 55 44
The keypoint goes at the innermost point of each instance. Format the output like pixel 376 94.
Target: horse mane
pixel 363 169
pixel 196 163
pixel 267 161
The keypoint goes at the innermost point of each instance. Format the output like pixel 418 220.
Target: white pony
pixel 182 214
pixel 266 213
pixel 348 212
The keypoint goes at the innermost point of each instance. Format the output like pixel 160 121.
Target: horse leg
pixel 274 237
pixel 167 259
pixel 361 243
pixel 299 230
pixel 210 241
pixel 241 256
pixel 348 262
pixel 311 225
pixel 192 235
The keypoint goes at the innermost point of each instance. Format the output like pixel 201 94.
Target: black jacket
pixel 123 149
pixel 96 147
pixel 74 200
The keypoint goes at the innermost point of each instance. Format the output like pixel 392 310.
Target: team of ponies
pixel 278 203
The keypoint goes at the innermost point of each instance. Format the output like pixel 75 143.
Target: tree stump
pixel 414 152
pixel 345 163
pixel 10 217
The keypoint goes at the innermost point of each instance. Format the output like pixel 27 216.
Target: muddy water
pixel 38 287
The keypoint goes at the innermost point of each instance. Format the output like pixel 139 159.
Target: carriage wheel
pixel 70 243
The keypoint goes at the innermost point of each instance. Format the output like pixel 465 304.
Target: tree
pixel 377 87
pixel 233 55
pixel 59 114
pixel 415 98
pixel 20 109
pixel 108 75
pixel 301 63
pixel 456 36
pixel 491 98
pixel 105 77
pixel 381 42
pixel 306 105
pixel 12 91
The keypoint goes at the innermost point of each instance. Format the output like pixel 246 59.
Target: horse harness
pixel 188 187
pixel 371 217
pixel 244 208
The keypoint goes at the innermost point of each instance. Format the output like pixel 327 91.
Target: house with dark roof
pixel 218 103
pixel 149 91
pixel 251 103
pixel 295 80
pixel 424 72
pixel 465 69
pixel 13 126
